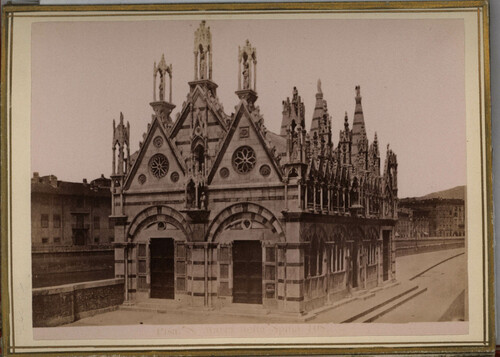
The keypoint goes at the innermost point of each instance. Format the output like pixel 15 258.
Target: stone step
pixel 244 309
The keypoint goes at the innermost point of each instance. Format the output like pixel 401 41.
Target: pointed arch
pixel 236 211
pixel 160 213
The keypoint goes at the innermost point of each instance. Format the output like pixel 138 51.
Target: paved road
pixel 444 299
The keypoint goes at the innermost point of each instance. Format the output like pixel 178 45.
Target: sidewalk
pixel 362 306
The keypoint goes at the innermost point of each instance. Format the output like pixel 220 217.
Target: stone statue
pixel 246 75
pixel 203 65
pixel 162 87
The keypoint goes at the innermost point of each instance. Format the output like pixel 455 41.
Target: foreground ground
pixel 440 276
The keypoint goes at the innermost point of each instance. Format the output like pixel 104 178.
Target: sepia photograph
pixel 315 178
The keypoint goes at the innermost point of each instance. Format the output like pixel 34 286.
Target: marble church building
pixel 214 209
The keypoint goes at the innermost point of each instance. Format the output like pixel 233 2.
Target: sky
pixel 411 73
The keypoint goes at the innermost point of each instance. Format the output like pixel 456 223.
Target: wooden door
pixel 247 272
pixel 162 268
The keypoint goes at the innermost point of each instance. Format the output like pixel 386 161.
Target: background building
pixel 434 217
pixel 215 209
pixel 70 213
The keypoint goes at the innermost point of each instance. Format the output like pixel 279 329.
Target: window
pixel 97 222
pixel 45 240
pixel 57 239
pixel 337 258
pixel 244 159
pixel 45 221
pixel 56 221
pixel 315 256
pixel 158 165
pixel 372 249
pixel 111 239
pixel 96 239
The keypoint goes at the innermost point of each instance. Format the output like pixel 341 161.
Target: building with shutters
pixel 214 209
pixel 66 214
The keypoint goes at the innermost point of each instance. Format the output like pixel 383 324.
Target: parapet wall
pixel 59 305
pixel 68 265
pixel 424 245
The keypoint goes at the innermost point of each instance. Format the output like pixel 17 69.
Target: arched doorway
pixel 158 237
pixel 247 235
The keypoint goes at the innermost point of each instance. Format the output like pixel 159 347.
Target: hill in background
pixel 452 193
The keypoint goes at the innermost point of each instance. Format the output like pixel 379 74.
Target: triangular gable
pixel 155 126
pixel 242 111
pixel 198 91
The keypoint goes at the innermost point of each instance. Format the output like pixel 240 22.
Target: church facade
pixel 214 209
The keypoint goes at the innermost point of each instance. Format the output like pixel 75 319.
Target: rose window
pixel 158 165
pixel 174 176
pixel 142 179
pixel 265 170
pixel 158 141
pixel 244 159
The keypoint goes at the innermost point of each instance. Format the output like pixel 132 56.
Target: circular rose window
pixel 265 170
pixel 224 172
pixel 174 176
pixel 142 179
pixel 158 141
pixel 244 159
pixel 158 165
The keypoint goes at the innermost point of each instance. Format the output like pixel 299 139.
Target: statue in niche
pixel 191 192
pixel 203 64
pixel 203 200
pixel 246 74
pixel 162 87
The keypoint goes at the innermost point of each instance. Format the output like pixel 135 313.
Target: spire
pixel 162 70
pixel 358 125
pixel 319 109
pixel 247 73
pixel 161 107
pixel 293 113
pixel 202 53
pixel 203 60
pixel 121 136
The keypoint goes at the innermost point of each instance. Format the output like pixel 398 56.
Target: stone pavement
pixel 363 306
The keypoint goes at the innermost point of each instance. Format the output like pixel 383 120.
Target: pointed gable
pixel 199 96
pixel 158 163
pixel 243 140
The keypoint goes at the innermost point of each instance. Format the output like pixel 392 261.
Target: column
pixel 205 256
pixel 170 88
pixel 314 196
pixel 125 270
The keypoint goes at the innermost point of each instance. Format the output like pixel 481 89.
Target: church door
pixel 162 268
pixel 247 272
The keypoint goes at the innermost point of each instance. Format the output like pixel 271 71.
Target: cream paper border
pixel 437 334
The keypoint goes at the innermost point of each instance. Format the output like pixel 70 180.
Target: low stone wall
pixel 67 265
pixel 58 305
pixel 423 245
